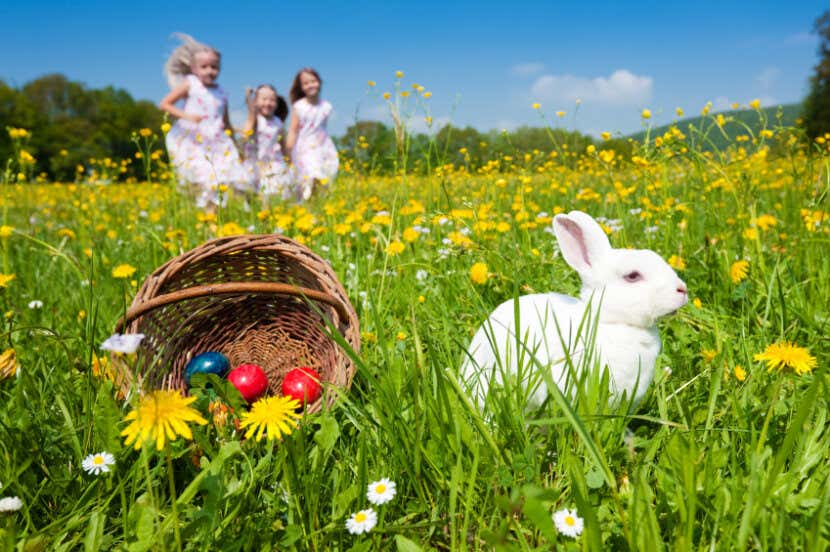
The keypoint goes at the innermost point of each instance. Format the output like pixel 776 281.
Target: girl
pixel 263 142
pixel 199 143
pixel 312 151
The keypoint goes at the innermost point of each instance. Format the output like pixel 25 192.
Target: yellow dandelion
pixel 371 83
pixel 560 113
pixel 478 273
pixel 765 222
pixel 677 262
pixel 787 355
pixel 6 231
pixel 161 416
pixel 750 234
pixel 5 279
pixel 646 114
pixel 606 135
pixel 165 127
pixel 755 104
pixel 738 271
pixel 123 271
pixel 145 132
pixel 410 235
pixel 536 105
pixel 399 74
pixel 272 417
pixel 679 111
pixel 8 364
pixel 697 303
pixel 740 373
pixel 395 248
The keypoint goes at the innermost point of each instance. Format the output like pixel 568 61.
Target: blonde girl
pixel 200 143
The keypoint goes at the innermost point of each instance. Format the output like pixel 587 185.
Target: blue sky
pixel 484 62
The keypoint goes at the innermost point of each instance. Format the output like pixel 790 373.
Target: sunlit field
pixel 730 449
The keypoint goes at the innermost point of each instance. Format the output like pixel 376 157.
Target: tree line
pixel 68 123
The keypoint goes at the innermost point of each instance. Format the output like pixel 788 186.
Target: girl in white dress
pixel 200 143
pixel 312 151
pixel 263 139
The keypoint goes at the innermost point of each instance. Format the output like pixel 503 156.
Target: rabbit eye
pixel 633 276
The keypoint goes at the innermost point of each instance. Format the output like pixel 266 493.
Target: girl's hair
pixel 296 92
pixel 281 112
pixel 179 62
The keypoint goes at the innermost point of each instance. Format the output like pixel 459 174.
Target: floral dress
pixel 314 154
pixel 263 158
pixel 203 153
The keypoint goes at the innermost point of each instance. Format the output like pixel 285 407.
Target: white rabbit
pixel 628 290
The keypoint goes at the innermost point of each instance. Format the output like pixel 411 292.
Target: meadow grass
pixel 722 454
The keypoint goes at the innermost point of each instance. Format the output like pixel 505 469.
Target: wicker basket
pixel 254 298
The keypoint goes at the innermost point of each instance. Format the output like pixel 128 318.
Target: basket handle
pixel 227 288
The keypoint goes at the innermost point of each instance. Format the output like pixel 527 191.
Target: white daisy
pixel 381 492
pixel 568 523
pixel 127 343
pixel 10 504
pixel 362 521
pixel 98 463
pixel 36 304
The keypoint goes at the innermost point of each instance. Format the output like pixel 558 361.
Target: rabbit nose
pixel 681 288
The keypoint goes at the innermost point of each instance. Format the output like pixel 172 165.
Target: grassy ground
pixel 722 454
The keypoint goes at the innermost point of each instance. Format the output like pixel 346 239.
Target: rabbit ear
pixel 582 240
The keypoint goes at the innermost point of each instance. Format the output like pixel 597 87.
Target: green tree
pixel 69 123
pixel 817 104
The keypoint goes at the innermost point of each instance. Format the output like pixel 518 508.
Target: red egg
pixel 302 384
pixel 250 380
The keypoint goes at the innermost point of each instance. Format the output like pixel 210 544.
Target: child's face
pixel 309 84
pixel 266 101
pixel 206 67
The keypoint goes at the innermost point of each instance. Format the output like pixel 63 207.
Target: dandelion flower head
pixel 161 416
pixel 787 355
pixel 271 416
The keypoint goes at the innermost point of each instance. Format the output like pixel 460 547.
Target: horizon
pixel 483 63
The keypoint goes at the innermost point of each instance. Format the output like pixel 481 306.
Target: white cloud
pixel 622 87
pixel 767 77
pixel 527 69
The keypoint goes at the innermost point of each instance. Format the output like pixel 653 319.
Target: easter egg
pixel 250 380
pixel 207 363
pixel 302 384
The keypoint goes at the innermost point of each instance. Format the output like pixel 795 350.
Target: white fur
pixel 626 312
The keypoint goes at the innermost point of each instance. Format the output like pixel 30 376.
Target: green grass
pixel 706 462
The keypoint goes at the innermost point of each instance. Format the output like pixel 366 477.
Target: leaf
pixel 595 478
pixel 536 511
pixel 406 545
pixel 95 532
pixel 328 433
pixel 106 416
pixel 143 519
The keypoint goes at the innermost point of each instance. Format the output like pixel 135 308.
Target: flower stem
pixel 173 501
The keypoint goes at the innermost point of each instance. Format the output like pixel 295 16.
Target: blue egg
pixel 207 363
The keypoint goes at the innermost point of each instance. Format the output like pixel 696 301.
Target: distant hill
pixel 740 117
